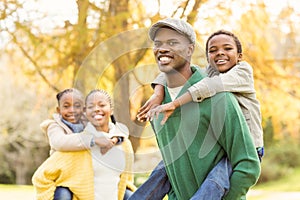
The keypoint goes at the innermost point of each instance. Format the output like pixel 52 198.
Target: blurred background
pixel 47 46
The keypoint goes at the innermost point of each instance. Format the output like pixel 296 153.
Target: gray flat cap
pixel 178 25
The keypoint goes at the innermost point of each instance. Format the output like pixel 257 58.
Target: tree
pixel 105 45
pixel 276 79
pixel 58 56
pixel 21 140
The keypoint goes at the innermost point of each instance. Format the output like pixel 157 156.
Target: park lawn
pixel 16 192
pixel 289 183
pixel 8 187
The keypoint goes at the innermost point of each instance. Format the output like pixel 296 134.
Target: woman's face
pixel 98 111
pixel 222 52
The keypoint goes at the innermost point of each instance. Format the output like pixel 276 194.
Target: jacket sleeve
pixel 239 79
pixel 60 141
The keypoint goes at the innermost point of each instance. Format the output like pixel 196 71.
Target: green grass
pixel 288 183
pixel 16 187
pixel 16 192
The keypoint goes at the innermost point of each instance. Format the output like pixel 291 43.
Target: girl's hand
pixel 104 144
pixel 115 140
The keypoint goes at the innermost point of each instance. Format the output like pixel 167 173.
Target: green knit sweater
pixel 198 135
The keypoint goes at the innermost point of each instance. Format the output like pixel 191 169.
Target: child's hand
pixel 167 109
pixel 151 103
pixel 115 140
pixel 104 144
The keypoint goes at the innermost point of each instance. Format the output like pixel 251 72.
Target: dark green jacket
pixel 198 135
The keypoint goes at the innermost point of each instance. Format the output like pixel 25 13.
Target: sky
pixel 66 9
pixel 59 10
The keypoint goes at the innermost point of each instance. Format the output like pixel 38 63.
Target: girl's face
pixel 70 107
pixel 98 111
pixel 222 53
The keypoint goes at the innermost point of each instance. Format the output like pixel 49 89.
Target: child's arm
pixel 156 98
pixel 239 79
pixel 60 141
pixel 169 108
pixel 104 143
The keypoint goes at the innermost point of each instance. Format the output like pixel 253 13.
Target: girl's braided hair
pixel 69 90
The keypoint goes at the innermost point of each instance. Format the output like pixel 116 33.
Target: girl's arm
pixel 60 141
pixel 104 143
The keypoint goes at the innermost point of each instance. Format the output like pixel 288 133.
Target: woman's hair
pixel 69 90
pixel 113 120
pixel 224 32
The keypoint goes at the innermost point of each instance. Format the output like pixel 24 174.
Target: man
pixel 198 136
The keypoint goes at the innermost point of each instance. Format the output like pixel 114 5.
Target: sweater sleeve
pixel 159 80
pixel 70 169
pixel 236 140
pixel 126 179
pixel 238 79
pixel 44 185
pixel 60 141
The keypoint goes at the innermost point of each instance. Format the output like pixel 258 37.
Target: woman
pixel 111 162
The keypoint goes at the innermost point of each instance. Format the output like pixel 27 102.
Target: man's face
pixel 172 50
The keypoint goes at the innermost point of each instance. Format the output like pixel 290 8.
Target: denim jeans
pixel 155 187
pixel 127 194
pixel 62 193
pixel 214 187
pixel 217 182
pixel 260 152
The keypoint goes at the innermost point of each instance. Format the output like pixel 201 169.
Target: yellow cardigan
pixel 75 171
